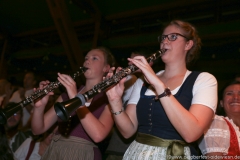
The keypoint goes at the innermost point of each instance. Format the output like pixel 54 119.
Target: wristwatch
pixel 166 93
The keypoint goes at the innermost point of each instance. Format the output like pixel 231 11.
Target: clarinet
pixel 65 109
pixel 8 112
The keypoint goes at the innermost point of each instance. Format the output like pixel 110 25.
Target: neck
pixel 236 120
pixel 43 144
pixel 171 71
pixel 11 132
pixel 90 83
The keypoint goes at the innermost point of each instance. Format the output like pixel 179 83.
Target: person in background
pixel 237 77
pixel 115 152
pixel 33 149
pixel 5 151
pixel 166 109
pixel 15 135
pixel 5 92
pixel 89 124
pixel 131 79
pixel 29 83
pixel 221 140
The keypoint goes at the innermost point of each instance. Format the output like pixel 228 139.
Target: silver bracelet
pixel 119 112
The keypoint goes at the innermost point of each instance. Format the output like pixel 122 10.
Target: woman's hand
pixel 69 84
pixel 146 69
pixel 43 101
pixel 115 93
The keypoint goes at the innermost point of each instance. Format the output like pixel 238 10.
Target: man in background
pixel 29 83
pixel 5 92
pixel 12 127
pixel 237 77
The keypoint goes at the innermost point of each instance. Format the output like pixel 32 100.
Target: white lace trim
pixel 215 149
pixel 235 128
pixel 217 132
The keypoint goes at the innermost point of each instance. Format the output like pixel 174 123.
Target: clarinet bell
pixel 8 111
pixel 66 108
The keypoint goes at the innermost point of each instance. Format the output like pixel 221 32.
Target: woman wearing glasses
pixel 170 109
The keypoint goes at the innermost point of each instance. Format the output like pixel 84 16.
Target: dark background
pixel 50 36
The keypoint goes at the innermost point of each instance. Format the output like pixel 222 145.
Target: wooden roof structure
pixel 50 36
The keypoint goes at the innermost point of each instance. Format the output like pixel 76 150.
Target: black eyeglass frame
pixel 167 36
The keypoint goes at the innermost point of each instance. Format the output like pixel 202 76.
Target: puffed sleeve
pixel 135 95
pixel 217 137
pixel 205 91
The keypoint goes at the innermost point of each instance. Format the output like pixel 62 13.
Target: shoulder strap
pixel 32 144
pixel 188 83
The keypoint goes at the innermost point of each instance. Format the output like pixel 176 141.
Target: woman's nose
pixel 164 41
pixel 236 96
pixel 86 62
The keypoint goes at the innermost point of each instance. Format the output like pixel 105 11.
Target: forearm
pixel 124 123
pixel 37 122
pixel 184 121
pixel 97 129
pixel 42 122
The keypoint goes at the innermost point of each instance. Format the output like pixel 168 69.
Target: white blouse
pixel 22 151
pixel 204 90
pixel 217 137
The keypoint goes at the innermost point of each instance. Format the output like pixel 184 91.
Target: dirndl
pixel 73 148
pixel 139 151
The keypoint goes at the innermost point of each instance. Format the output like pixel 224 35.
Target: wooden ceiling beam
pixel 158 8
pixel 66 32
pixel 94 11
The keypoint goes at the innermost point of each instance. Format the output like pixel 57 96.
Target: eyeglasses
pixel 171 37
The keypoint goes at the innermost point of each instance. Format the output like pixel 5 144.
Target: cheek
pixel 100 67
pixel 226 100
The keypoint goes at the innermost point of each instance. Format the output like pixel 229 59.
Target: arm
pixel 185 122
pixel 194 121
pixel 97 129
pixel 126 122
pixel 41 122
